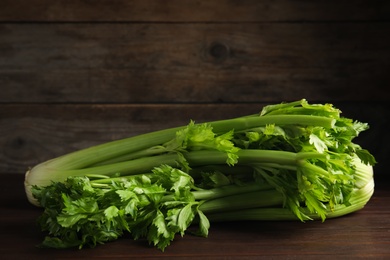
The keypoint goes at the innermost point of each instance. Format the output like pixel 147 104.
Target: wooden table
pixel 365 234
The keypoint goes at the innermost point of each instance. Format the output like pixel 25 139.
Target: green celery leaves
pixel 157 207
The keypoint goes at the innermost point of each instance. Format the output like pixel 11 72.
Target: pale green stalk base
pixel 359 199
pixel 275 212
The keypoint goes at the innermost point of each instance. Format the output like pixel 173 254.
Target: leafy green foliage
pixel 201 137
pixel 155 207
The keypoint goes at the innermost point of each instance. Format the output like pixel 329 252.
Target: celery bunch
pixel 292 161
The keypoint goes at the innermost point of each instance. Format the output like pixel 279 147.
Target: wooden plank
pixel 150 63
pixel 30 134
pixel 191 11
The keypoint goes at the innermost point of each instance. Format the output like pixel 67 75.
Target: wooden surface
pixel 78 73
pixel 362 235
pixel 149 63
pixel 193 11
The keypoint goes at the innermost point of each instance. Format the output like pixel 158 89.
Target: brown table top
pixel 362 234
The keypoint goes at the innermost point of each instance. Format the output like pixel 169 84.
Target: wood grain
pixel 192 11
pixel 193 63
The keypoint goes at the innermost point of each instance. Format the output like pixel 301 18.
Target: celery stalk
pixel 292 161
pixel 82 162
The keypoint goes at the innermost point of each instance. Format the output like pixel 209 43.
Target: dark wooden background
pixel 78 73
